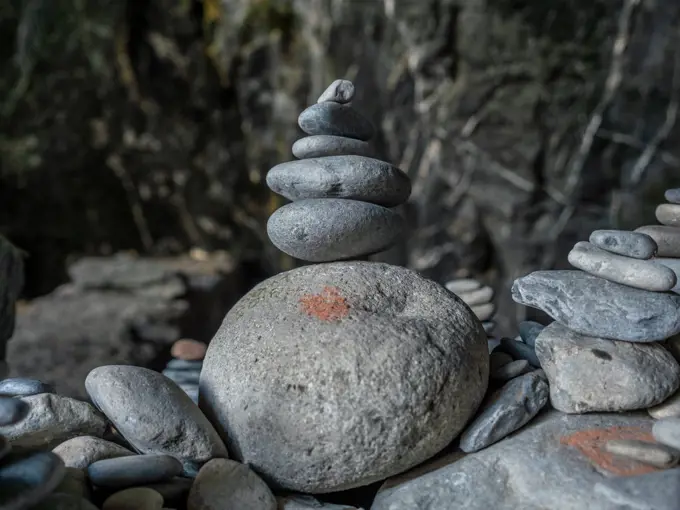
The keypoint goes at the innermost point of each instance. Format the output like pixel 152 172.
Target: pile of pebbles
pixel 342 197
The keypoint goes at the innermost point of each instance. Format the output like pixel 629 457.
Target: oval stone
pixel 624 242
pixel 352 177
pixel 327 145
pixel 668 214
pixel 312 368
pixel 22 387
pixel 336 119
pixel 667 239
pixel 673 195
pixel 340 91
pixel 120 472
pixel 26 479
pixel 322 230
pixel 82 451
pixel 640 274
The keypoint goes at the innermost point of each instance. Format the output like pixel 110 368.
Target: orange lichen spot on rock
pixel 590 442
pixel 328 305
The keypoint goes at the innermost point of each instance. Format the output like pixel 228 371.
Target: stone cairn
pixel 478 297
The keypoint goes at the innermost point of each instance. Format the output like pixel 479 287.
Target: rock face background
pixel 150 124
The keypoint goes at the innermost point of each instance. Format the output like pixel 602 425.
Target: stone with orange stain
pixel 328 305
pixel 591 443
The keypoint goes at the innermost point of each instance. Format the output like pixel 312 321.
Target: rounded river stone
pixel 335 119
pixel 595 307
pixel 668 214
pixel 22 387
pixel 673 195
pixel 26 479
pixel 82 451
pixel 641 274
pixel 353 177
pixel 224 484
pixel 333 376
pixel 588 374
pixel 154 414
pixel 624 242
pixel 121 472
pixel 322 230
pixel 340 91
pixel 327 145
pixel 667 239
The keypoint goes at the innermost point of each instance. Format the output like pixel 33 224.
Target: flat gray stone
pixel 222 484
pixel 340 91
pixel 463 285
pixel 529 331
pixel 519 350
pixel 327 145
pixel 23 387
pixel 595 307
pixel 123 472
pixel 323 230
pixel 667 431
pixel 667 239
pixel 668 214
pixel 515 404
pixel 641 274
pixel 554 462
pixel 12 410
pixel 673 265
pixel 511 370
pixel 335 119
pixel 589 374
pixel 653 491
pixel 82 451
pixel 352 177
pixel 624 242
pixel 53 419
pixel 26 479
pixel 154 415
pixel 479 296
pixel 351 350
pixel 673 195
pixel 653 454
pixel 669 408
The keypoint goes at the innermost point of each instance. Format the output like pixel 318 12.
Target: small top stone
pixel 622 242
pixel 673 195
pixel 340 91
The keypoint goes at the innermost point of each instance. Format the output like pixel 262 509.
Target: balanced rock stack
pixel 185 367
pixel 478 297
pixel 339 374
pixel 340 194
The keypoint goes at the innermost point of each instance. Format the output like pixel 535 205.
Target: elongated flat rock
pixel 667 239
pixel 668 214
pixel 673 265
pixel 463 285
pixel 82 451
pixel 352 177
pixel 624 242
pixel 654 454
pixel 327 145
pixel 673 195
pixel 641 274
pixel 595 307
pixel 589 374
pixel 323 230
pixel 340 91
pixel 336 119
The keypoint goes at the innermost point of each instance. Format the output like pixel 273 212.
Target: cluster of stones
pixel 478 297
pixel 341 195
pixel 185 367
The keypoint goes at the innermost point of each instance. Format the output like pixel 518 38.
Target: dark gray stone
pixel 23 387
pixel 12 410
pixel 11 283
pixel 667 239
pixel 589 374
pixel 544 465
pixel 667 431
pixel 82 451
pixel 673 265
pixel 596 307
pixel 335 119
pixel 122 472
pixel 641 274
pixel 624 242
pixel 154 415
pixel 497 359
pixel 172 490
pixel 668 214
pixel 323 230
pixel 326 345
pixel 511 370
pixel 653 491
pixel 529 331
pixel 519 350
pixel 516 403
pixel 340 91
pixel 136 498
pixel 673 195
pixel 327 145
pixel 64 502
pixel 26 479
pixel 488 326
pixel 352 177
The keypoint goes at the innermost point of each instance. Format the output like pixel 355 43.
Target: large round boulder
pixel 333 376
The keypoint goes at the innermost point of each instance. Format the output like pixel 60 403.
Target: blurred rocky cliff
pixel 150 124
